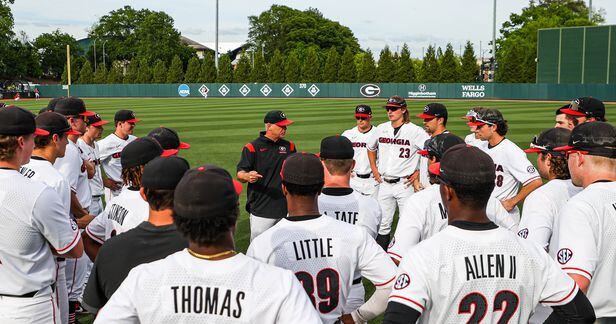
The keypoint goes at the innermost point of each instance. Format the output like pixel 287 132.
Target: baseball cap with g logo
pixel 277 117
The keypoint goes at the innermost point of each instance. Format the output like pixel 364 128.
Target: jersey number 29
pixel 327 288
pixel 480 306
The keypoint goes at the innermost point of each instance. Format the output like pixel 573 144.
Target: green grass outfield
pixel 217 129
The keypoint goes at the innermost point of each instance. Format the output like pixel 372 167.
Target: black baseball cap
pixel 164 172
pixel 585 107
pixel 277 117
pixel 437 146
pixel 548 140
pixel 125 115
pixel 559 111
pixel 44 109
pixel 396 102
pixel 336 147
pixel 597 138
pixel 51 106
pixel 168 138
pixel 54 123
pixel 96 120
pixel 487 116
pixel 363 111
pixel 141 151
pixel 465 164
pixel 433 110
pixel 72 106
pixel 206 191
pixel 16 121
pixel 303 169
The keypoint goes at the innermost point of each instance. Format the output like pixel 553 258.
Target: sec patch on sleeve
pixel 564 255
pixel 402 282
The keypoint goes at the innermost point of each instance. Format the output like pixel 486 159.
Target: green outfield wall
pixel 539 91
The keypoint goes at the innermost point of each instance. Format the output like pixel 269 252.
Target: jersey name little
pixel 313 248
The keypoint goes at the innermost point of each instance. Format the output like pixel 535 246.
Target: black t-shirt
pixel 142 244
pixel 265 198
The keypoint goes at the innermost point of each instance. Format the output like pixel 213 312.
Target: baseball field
pixel 217 129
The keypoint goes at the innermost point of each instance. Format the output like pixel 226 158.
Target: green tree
pixel 429 68
pixel 242 69
pixel 100 76
pixel 159 73
pixel 208 69
pixel 52 49
pixel 85 74
pixel 404 66
pixel 175 74
pixel 6 35
pixel 292 68
pixel 259 68
pixel 132 72
pixel 332 66
pixel 225 70
pixel 512 67
pixel 449 68
pixel 469 68
pixel 193 70
pixel 367 68
pixel 115 75
pixel 22 59
pixel 385 71
pixel 144 73
pixel 348 68
pixel 277 67
pixel 311 67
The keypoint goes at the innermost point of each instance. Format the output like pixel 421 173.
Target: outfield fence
pixel 525 91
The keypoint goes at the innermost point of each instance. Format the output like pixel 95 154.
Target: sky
pixel 374 23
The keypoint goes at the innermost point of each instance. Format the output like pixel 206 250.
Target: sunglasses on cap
pixel 476 120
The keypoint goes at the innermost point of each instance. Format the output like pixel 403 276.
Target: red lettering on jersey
pixel 116 155
pixel 396 141
pixel 359 144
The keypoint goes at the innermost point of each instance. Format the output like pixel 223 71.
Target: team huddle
pixel 123 228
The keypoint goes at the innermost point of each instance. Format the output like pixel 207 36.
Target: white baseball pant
pixel 365 186
pixel 76 271
pixel 96 207
pixel 392 195
pixel 259 225
pixel 22 310
pixel 61 292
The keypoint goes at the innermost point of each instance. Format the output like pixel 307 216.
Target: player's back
pixel 185 289
pixel 122 213
pixel 347 205
pixel 478 272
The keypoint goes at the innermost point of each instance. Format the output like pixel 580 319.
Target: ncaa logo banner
pixel 370 90
pixel 184 90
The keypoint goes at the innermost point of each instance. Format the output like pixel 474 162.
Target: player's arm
pixel 529 187
pixel 579 310
pixel 408 231
pixel 397 313
pixel 524 172
pixel 91 171
pixel 245 167
pixel 373 167
pixel 95 235
pixel 537 220
pixel 372 146
pixel 83 218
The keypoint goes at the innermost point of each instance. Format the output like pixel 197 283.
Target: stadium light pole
pixel 589 9
pixel 95 56
pixel 494 40
pixel 105 42
pixel 216 41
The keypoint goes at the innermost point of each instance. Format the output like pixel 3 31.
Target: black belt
pixel 395 180
pixel 363 176
pixel 98 196
pixel 59 259
pixel 357 281
pixel 30 294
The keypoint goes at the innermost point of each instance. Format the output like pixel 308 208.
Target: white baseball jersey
pixel 110 148
pixel 71 166
pixel 512 168
pixel 353 208
pixel 424 215
pixel 184 289
pixel 474 274
pixel 324 254
pixel 122 213
pixel 42 170
pixel 587 243
pixel 397 153
pixel 541 209
pixel 360 140
pixel 470 139
pixel 33 218
pixel 91 154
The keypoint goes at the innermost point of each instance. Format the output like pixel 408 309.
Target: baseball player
pixel 46 150
pixel 168 139
pixel 471 139
pixel 340 201
pixel 395 143
pixel 324 253
pixel 209 282
pixel 561 118
pixel 128 209
pixel 110 148
pixel 435 122
pixel 362 179
pixel 586 248
pixel 474 271
pixel 516 177
pixel 88 145
pixel 584 110
pixel 34 227
pixel 424 213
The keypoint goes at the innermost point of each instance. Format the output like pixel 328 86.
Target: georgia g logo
pixel 564 255
pixel 402 282
pixel 282 115
pixel 370 90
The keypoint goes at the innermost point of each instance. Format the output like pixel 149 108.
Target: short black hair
pixel 475 195
pixel 207 229
pixel 300 190
pixel 159 199
pixel 502 128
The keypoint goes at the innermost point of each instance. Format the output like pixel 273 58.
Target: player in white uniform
pixel 362 179
pixel 395 143
pixel 434 117
pixel 208 282
pixel 474 271
pixel 110 148
pixel 34 222
pixel 128 209
pixel 586 248
pixel 424 213
pixel 471 139
pixel 561 118
pixel 88 145
pixel 516 177
pixel 340 201
pixel 584 110
pixel 47 149
pixel 324 253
